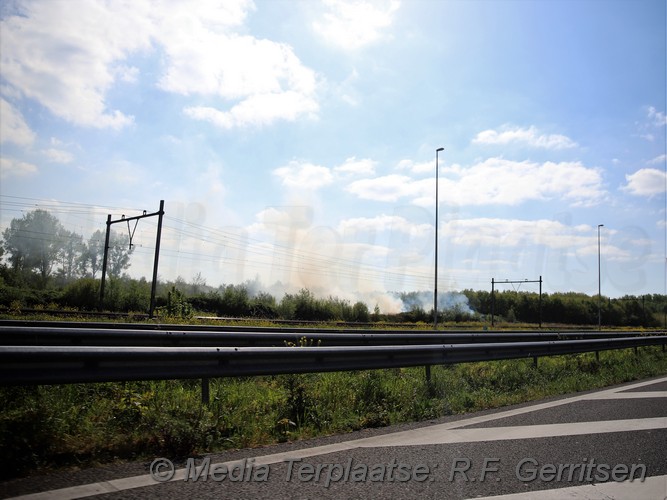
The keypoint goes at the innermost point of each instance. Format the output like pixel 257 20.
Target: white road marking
pixel 630 395
pixel 652 488
pixel 436 434
pixel 433 435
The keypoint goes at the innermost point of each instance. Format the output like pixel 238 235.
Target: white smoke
pixel 447 301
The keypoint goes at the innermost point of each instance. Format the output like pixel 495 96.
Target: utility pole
pixel 435 284
pixel 160 214
pixel 493 301
pixel 599 283
pixel 157 257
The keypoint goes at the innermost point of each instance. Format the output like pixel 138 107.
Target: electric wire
pixel 283 257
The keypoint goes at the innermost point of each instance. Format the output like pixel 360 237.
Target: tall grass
pixel 87 424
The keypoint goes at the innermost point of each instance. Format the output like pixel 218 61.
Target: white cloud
pixel 354 24
pixel 127 74
pixel 416 168
pixel 238 67
pixel 381 223
pixel 658 160
pixel 15 168
pixel 13 127
pixel 646 182
pixel 257 110
pixel 347 90
pixel 527 136
pixel 516 233
pixel 388 188
pixel 352 166
pixel 63 59
pixel 68 62
pixel 307 176
pixel 304 175
pixel 658 118
pixel 58 155
pixel 263 80
pixel 493 182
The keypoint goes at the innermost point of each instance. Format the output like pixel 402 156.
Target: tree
pixel 118 259
pixel 236 301
pixel 3 266
pixel 376 313
pixel 33 243
pixel 93 253
pixel 198 283
pixel 69 255
pixel 360 312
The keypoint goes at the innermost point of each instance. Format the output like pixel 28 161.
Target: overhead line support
pixel 160 214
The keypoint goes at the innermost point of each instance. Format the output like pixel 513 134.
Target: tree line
pixel 570 308
pixel 38 253
pixel 42 263
pixel 39 249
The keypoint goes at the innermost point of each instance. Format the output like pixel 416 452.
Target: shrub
pixel 177 305
pixel 360 313
pixel 235 302
pixel 83 294
pixel 264 306
pixel 136 296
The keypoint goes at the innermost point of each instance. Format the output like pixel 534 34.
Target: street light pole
pixel 599 283
pixel 435 287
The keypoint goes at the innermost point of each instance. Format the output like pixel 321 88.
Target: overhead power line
pixel 283 257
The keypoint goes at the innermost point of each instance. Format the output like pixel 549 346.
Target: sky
pixel 294 142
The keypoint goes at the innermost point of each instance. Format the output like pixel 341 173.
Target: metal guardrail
pixel 36 365
pixel 102 334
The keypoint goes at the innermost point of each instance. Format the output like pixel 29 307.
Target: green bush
pixel 210 302
pixel 29 432
pixel 136 296
pixel 84 294
pixel 177 305
pixel 305 306
pixel 264 306
pixel 360 313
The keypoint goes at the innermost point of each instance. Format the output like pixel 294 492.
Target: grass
pixel 87 424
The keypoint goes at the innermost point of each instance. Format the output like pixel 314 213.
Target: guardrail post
pixel 205 392
pixel 429 383
pixel 597 356
pixel 534 361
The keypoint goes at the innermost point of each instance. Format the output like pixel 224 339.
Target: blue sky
pixel 294 142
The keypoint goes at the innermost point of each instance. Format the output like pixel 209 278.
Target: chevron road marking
pixel 449 432
pixel 652 488
pixel 436 436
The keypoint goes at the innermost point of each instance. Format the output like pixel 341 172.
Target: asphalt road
pixel 600 444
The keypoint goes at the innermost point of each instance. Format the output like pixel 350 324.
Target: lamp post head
pixel 600 225
pixel 439 149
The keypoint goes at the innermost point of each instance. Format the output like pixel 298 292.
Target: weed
pixel 52 426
